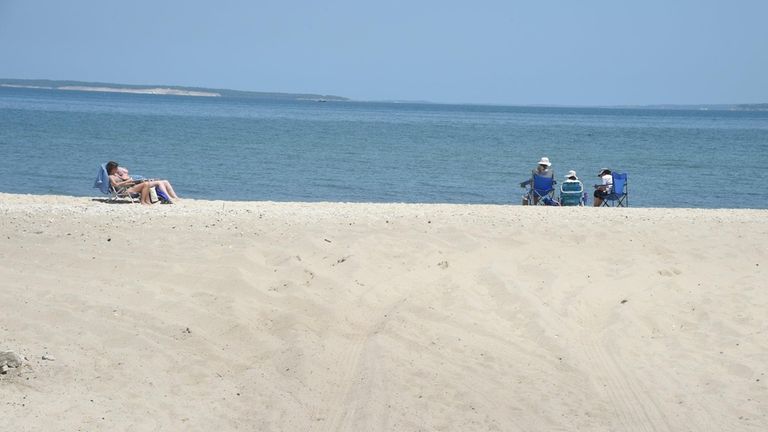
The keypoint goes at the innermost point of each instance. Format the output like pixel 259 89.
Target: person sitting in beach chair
pixel 104 184
pixel 572 191
pixel 543 169
pixel 617 196
pixel 604 189
pixel 126 184
pixel 540 192
pixel 541 184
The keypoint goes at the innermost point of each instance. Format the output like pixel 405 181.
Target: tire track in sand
pixel 339 409
pixel 634 408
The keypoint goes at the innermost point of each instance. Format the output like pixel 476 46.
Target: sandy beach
pixel 211 315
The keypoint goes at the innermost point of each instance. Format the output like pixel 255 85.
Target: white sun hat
pixel 544 161
pixel 570 174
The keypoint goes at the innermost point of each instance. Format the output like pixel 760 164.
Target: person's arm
pixel 120 183
pixel 530 179
pixel 606 184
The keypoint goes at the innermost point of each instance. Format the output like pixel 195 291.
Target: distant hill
pixel 160 90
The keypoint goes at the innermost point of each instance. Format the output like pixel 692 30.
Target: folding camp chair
pixel 618 196
pixel 541 191
pixel 103 184
pixel 572 193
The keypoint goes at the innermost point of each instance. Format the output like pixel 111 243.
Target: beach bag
pixel 153 195
pixel 163 197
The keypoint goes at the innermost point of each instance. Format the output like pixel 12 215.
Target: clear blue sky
pixel 507 52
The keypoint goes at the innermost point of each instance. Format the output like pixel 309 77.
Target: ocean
pixel 52 142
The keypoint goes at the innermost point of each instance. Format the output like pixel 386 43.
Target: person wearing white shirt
pixel 603 190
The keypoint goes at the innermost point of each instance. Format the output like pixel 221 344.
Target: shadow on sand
pixel 113 201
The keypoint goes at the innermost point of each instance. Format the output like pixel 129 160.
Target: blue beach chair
pixel 541 191
pixel 572 193
pixel 102 183
pixel 618 196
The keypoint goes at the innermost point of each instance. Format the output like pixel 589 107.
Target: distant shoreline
pixel 153 91
pixel 150 91
pixel 161 90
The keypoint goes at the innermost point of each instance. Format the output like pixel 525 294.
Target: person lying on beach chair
pixel 122 173
pixel 123 181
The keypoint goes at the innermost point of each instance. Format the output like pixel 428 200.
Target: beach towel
pixel 102 180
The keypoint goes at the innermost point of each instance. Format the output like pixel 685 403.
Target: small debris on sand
pixel 9 360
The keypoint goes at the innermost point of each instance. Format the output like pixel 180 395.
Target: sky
pixel 546 52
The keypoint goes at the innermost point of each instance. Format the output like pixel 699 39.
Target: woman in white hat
pixel 543 169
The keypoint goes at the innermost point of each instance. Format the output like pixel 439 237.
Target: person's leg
pixel 165 186
pixel 159 185
pixel 598 199
pixel 137 189
pixel 144 191
pixel 169 189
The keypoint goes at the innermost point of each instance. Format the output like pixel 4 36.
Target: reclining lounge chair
pixel 103 184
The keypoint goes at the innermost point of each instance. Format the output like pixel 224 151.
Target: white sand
pixel 361 317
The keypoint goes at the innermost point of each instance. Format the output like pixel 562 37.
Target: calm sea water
pixel 52 142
